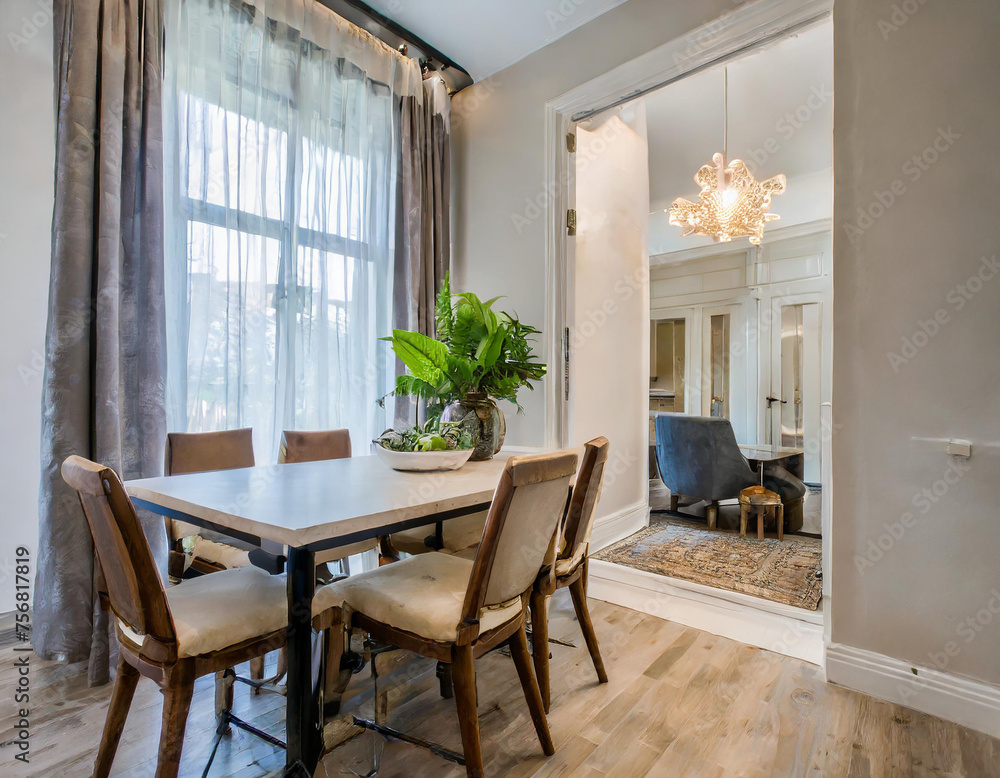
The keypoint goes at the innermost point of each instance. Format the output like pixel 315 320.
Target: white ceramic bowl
pixel 423 461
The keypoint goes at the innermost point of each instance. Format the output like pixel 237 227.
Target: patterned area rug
pixel 788 572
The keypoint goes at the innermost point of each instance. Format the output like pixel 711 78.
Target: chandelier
pixel 732 203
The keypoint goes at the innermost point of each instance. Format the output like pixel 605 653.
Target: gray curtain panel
pixel 105 357
pixel 423 229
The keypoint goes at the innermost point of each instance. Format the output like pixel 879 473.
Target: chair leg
pixel 336 677
pixel 257 671
pixel 578 590
pixel 121 701
pixel 463 672
pixel 674 501
pixel 522 661
pixel 712 513
pixel 744 517
pixel 176 703
pixel 540 643
pixel 223 698
pixel 445 683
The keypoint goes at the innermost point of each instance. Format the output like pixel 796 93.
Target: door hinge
pixel 571 221
pixel 570 142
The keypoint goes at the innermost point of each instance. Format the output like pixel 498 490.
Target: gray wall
pixel 498 129
pixel 26 158
pixel 915 538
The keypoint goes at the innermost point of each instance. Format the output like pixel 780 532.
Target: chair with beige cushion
pixel 173 636
pixel 453 609
pixel 195 548
pixel 571 566
pixel 317 447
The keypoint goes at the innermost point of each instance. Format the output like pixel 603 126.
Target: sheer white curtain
pixel 282 150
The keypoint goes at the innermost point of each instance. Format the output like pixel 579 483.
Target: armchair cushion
pixel 423 595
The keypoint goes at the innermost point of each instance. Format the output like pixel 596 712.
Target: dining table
pixel 294 511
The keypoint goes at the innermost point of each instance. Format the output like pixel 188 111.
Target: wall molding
pixel 780 628
pixel 619 525
pixel 971 703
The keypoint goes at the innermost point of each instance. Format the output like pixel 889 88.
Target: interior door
pixel 796 380
pixel 609 319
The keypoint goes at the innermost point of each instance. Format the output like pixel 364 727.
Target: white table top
pixel 305 503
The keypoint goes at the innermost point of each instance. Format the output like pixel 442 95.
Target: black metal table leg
pixel 304 735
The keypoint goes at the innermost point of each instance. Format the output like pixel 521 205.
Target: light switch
pixel 960 448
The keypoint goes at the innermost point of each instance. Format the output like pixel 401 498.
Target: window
pixel 282 227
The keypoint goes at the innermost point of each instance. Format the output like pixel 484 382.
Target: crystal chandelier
pixel 732 203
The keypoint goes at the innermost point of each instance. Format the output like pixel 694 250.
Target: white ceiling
pixel 793 77
pixel 485 36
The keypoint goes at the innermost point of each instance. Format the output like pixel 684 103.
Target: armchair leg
pixel 674 501
pixel 712 513
pixel 540 643
pixel 121 701
pixel 464 674
pixel 522 661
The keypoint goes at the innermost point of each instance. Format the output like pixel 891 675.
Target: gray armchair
pixel 698 456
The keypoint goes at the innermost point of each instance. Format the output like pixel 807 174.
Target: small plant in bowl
pixel 436 445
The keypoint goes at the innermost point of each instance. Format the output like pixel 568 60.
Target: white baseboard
pixel 780 628
pixel 972 704
pixel 619 525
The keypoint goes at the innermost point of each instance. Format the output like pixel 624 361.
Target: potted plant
pixel 478 357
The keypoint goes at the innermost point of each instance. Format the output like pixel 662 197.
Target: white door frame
pixel 731 36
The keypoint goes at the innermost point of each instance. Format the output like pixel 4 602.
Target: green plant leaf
pixel 426 358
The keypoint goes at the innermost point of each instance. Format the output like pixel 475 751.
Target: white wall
pixel 916 535
pixel 500 191
pixel 26 158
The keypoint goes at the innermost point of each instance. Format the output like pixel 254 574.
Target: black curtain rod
pixel 454 74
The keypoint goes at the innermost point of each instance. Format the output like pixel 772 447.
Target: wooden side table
pixel 761 500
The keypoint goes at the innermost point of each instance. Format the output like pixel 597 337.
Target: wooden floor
pixel 680 703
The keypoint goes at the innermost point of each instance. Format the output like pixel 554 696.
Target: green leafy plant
pixel 433 435
pixel 477 349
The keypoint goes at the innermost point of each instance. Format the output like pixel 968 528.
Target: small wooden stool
pixel 760 500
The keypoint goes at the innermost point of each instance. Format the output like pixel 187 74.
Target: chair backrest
pixel 578 523
pixel 698 456
pixel 520 532
pixel 314 446
pixel 133 582
pixel 200 452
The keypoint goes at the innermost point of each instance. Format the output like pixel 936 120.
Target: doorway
pixel 749 327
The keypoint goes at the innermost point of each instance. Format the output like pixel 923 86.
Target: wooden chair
pixel 317 447
pixel 173 636
pixel 455 610
pixel 571 567
pixel 196 548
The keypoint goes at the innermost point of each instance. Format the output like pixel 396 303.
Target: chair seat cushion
pixel 216 611
pixel 457 534
pixel 221 554
pixel 423 595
